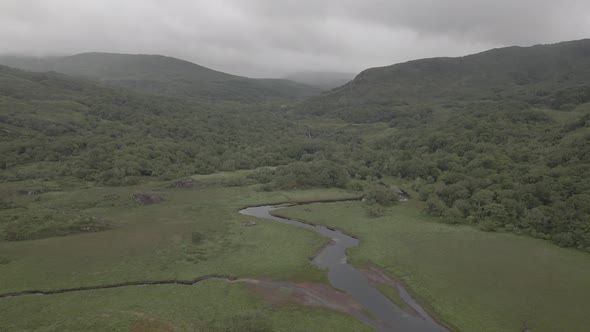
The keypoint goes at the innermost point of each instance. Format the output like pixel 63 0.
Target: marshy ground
pixel 469 279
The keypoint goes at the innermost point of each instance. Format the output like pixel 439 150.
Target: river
pixel 345 277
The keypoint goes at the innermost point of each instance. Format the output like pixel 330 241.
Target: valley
pixel 454 191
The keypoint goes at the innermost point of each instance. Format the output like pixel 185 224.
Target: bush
pixel 262 175
pixel 489 225
pixel 564 239
pixel 375 211
pixel 196 238
pixel 452 216
pixel 316 174
pixel 382 195
pixel 435 206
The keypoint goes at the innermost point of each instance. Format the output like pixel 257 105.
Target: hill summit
pixel 162 75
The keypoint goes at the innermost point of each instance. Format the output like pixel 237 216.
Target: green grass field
pixel 208 306
pixel 192 233
pixel 475 281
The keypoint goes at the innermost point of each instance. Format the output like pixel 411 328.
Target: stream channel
pixel 385 315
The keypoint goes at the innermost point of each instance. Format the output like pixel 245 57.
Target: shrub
pixel 489 225
pixel 375 211
pixel 196 237
pixel 435 206
pixel 382 195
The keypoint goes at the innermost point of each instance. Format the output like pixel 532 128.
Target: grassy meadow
pixel 474 280
pixel 208 306
pixel 191 233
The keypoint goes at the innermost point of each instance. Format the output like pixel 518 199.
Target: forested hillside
pixel 52 125
pixel 554 76
pixel 161 75
pixel 500 139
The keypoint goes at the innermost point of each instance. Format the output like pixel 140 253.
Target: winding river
pixel 386 316
pixel 378 311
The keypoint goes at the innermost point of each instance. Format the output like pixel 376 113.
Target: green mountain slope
pixel 162 75
pixel 478 142
pixel 478 145
pixel 53 125
pixel 530 74
pixel 56 130
pixel 499 139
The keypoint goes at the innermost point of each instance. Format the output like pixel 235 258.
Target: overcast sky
pixel 263 38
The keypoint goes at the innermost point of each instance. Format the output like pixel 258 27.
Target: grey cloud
pixel 499 21
pixel 271 37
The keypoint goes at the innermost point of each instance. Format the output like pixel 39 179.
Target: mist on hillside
pixel 273 39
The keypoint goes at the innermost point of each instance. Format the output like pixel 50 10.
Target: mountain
pixel 53 125
pixel 324 79
pixel 537 74
pixel 500 139
pixel 161 75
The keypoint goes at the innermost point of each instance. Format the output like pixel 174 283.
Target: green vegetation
pixel 498 139
pixel 135 170
pixel 157 241
pixel 211 306
pixel 161 75
pixel 516 161
pixel 298 175
pixel 53 126
pixel 474 280
pixel 393 296
pixel 192 232
pixel 553 75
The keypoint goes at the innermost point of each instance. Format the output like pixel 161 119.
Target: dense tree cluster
pixel 499 168
pixel 302 175
pixel 499 139
pixel 52 126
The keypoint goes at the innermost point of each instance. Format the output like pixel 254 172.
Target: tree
pixel 435 206
pixel 381 195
